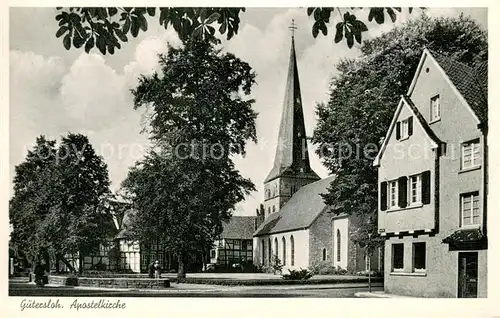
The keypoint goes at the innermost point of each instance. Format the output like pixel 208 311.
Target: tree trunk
pixel 181 272
pixel 80 263
pixel 57 264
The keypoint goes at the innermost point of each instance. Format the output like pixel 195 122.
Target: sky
pixel 54 91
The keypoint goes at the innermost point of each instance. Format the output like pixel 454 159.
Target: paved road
pixel 191 290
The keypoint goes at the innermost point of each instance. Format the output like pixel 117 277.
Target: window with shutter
pixel 410 126
pixel 392 194
pixel 415 183
pixel 435 108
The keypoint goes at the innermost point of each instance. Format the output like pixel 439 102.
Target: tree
pixel 200 120
pixel 107 28
pixel 362 101
pixel 59 198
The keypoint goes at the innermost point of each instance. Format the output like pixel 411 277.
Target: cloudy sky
pixel 54 91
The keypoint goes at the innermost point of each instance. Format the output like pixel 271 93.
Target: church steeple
pixel 291 151
pixel 291 169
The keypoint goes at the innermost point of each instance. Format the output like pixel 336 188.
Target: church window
pixel 292 251
pixel 338 245
pixel 276 248
pixel 284 251
pixel 274 208
pixel 269 252
pixel 324 254
pixel 263 252
pixel 268 210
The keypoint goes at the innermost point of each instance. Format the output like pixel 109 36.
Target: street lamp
pixel 369 263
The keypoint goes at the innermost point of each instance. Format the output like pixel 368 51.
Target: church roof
pixel 239 227
pixel 300 211
pixel 291 152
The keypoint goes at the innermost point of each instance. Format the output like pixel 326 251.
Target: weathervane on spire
pixel 293 27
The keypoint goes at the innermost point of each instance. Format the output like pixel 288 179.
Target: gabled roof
pixel 405 100
pixel 291 155
pixel 125 224
pixel 300 211
pixel 239 227
pixel 470 84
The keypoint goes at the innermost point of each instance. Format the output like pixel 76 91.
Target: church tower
pixel 291 169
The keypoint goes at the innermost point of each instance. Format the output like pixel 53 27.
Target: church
pixel 297 227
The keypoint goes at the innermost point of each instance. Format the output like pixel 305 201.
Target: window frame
pixel 414 269
pixel 405 129
pixel 475 149
pixel 471 195
pixel 391 206
pixel 394 269
pixel 435 101
pixel 418 190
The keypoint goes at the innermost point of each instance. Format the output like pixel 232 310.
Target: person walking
pixel 151 270
pixel 39 273
pixel 157 268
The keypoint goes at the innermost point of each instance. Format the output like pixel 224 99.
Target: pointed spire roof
pixel 292 156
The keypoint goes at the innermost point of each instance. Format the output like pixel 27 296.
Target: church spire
pixel 292 157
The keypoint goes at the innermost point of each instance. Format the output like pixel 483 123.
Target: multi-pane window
pixel 292 251
pixel 471 154
pixel 283 240
pixel 324 254
pixel 469 207
pixel 418 256
pixel 397 256
pixel 415 189
pixel 435 108
pixel 393 194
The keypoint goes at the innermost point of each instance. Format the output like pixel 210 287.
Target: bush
pixel 326 268
pixel 374 273
pixel 302 274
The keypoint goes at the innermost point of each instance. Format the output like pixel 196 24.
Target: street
pixel 195 290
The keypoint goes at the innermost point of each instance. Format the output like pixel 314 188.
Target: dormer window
pixel 435 108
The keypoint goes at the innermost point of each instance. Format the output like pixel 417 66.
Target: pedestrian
pixel 39 273
pixel 157 268
pixel 151 270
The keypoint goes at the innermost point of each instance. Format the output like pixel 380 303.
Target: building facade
pixel 432 170
pixel 234 248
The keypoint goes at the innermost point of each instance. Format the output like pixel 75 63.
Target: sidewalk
pixel 379 294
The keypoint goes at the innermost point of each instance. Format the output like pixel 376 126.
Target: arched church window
pixel 338 245
pixel 292 251
pixel 284 250
pixel 269 252
pixel 324 254
pixel 276 248
pixel 263 245
pixel 268 210
pixel 274 208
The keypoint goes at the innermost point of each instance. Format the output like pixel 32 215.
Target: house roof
pixel 470 83
pixel 300 211
pixel 405 100
pixel 239 227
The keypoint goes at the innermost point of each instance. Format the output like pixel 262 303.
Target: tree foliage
pixel 200 120
pixel 59 198
pixel 362 101
pixel 108 28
